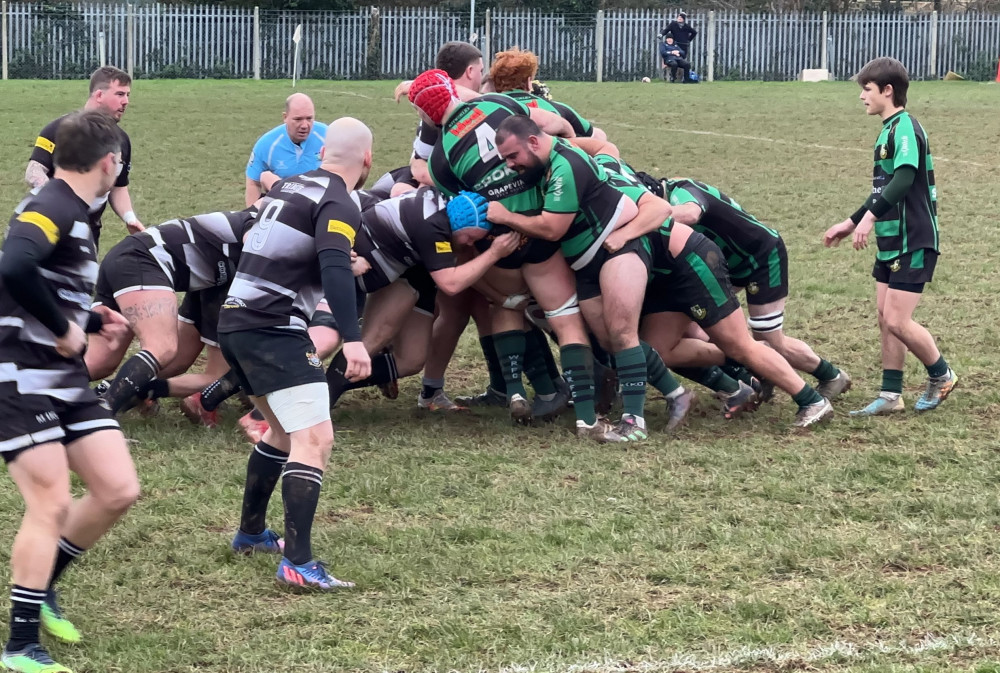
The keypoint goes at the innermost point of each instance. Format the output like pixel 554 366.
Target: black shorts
pixel 531 250
pixel 768 282
pixel 907 272
pixel 270 358
pixel 588 279
pixel 201 308
pixel 30 420
pixel 420 281
pixel 698 284
pixel 129 266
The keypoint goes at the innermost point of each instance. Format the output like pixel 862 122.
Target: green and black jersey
pixel 912 223
pixel 576 184
pixel 465 157
pixel 744 240
pixel 624 178
pixel 581 126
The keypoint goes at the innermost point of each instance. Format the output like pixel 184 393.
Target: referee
pixel 109 92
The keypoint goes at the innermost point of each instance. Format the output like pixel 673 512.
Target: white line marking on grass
pixel 776 141
pixel 745 657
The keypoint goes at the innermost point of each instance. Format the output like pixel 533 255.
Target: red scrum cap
pixel 432 92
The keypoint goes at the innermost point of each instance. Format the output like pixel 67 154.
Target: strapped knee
pixel 771 322
pixel 569 308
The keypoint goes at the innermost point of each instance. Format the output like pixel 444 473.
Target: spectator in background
pixel 673 57
pixel 683 33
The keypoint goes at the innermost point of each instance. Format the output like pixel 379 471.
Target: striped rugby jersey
pixel 56 218
pixel 278 281
pixel 201 251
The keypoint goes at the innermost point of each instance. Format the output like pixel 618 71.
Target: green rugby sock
pixel 712 378
pixel 578 370
pixel 826 371
pixel 656 372
pixel 938 369
pixel 492 363
pixel 807 396
pixel 892 381
pixel 510 351
pixel 631 366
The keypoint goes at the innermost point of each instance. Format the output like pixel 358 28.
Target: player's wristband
pixel 130 218
pixel 94 323
pixel 514 300
pixel 858 215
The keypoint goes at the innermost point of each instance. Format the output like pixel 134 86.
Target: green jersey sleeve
pixel 905 147
pixel 561 194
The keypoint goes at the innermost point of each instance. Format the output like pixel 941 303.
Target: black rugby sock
pixel 131 380
pixel 216 392
pixel 263 471
pixel 300 487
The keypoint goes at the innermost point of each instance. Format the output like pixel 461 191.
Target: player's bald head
pixel 298 102
pixel 348 141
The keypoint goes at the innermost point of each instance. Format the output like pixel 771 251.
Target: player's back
pixel 466 155
pixel 277 282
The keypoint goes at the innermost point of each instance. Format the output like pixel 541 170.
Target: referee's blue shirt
pixel 276 152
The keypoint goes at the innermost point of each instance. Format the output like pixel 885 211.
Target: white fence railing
pixel 46 40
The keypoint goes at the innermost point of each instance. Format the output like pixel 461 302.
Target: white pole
pixel 487 30
pixel 932 71
pixel 130 27
pixel 711 46
pixel 102 48
pixel 297 39
pixel 256 42
pixel 3 36
pixel 599 39
pixel 472 19
pixel 824 59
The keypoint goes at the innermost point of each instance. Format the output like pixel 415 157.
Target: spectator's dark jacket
pixel 683 32
pixel 665 50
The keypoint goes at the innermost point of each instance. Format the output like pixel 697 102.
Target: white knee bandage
pixel 569 308
pixel 300 407
pixel 767 323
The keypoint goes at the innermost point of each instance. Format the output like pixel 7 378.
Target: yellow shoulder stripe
pixel 47 226
pixel 442 246
pixel 342 228
pixel 45 144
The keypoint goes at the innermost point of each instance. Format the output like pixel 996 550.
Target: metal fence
pixel 52 41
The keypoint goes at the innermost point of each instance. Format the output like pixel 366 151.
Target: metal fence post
pixel 599 40
pixel 932 70
pixel 3 35
pixel 711 46
pixel 130 41
pixel 824 59
pixel 488 30
pixel 256 42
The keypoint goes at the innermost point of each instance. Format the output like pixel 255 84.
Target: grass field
pixel 863 546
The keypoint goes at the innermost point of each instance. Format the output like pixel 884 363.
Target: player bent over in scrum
pixel 142 274
pixel 581 209
pixel 297 252
pixel 758 263
pixel 460 161
pixel 52 421
pixel 408 243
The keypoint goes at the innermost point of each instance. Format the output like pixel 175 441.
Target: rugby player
pixel 140 277
pixel 757 262
pixel 902 211
pixel 408 242
pixel 109 91
pixel 297 251
pixel 581 209
pixel 53 421
pixel 466 158
pixel 288 149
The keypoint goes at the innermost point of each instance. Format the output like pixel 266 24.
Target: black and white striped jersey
pixel 199 252
pixel 278 281
pixel 409 230
pixel 57 219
